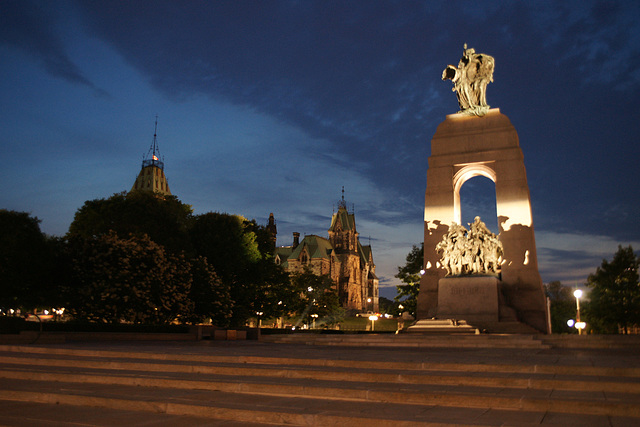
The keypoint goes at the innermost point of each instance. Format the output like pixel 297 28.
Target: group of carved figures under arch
pixel 476 251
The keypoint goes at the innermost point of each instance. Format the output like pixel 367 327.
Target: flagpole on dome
pixel 153 155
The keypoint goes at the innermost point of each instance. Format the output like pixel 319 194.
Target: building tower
pixel 151 177
pixel 357 284
pixel 342 257
pixel 272 229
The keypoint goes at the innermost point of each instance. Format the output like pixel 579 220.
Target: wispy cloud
pixel 27 26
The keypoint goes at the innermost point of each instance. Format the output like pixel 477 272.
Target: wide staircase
pixel 258 383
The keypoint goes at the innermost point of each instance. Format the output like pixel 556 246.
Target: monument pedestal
pixel 469 305
pixel 474 299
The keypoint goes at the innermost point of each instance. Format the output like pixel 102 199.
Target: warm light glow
pixel 526 257
pixel 515 212
pixel 373 318
pixel 155 157
pixel 463 175
pixel 577 293
pixel 581 325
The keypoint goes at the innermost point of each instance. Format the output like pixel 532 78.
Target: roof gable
pixel 342 220
pixel 315 246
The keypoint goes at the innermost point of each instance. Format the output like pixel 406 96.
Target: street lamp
pixel 314 316
pixel 579 325
pixel 259 313
pixel 373 319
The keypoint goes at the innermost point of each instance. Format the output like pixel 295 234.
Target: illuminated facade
pixel 340 256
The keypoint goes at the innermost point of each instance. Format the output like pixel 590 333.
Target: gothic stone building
pixel 341 257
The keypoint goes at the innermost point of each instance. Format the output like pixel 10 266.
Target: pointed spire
pixel 342 203
pixel 151 176
pixel 155 139
pixel 153 155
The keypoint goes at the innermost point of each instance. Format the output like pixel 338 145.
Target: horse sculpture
pixel 470 80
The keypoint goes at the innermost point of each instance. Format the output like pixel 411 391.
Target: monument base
pixel 447 326
pixel 474 299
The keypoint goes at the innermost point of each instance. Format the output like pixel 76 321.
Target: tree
pixel 227 242
pixel 210 296
pixel 410 276
pixel 317 295
pixel 163 218
pixel 563 306
pixel 267 290
pixel 25 259
pixel 131 280
pixel 614 301
pixel 241 253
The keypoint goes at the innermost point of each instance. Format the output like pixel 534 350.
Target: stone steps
pixel 315 390
pixel 413 339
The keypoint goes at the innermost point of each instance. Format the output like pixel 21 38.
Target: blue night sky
pixel 273 106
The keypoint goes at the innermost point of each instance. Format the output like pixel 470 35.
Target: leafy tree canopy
pixel 131 280
pixel 25 260
pixel 614 301
pixel 563 306
pixel 409 274
pixel 211 297
pixel 165 219
pixel 315 295
pixel 227 241
pixel 241 253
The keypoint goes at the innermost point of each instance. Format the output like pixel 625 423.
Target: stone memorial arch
pixel 480 141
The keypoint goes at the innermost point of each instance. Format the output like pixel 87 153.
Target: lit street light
pixel 579 325
pixel 373 319
pixel 314 316
pixel 259 313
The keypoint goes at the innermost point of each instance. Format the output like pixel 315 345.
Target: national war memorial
pixel 494 287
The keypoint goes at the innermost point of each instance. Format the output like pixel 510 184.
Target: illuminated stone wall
pixel 464 147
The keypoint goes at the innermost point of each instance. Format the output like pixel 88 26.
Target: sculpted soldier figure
pixel 470 80
pixel 477 251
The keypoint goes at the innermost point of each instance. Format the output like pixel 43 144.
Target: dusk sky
pixel 274 106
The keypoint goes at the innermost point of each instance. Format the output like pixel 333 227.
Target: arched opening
pixel 478 198
pixel 479 195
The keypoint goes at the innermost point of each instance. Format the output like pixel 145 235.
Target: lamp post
pixel 579 325
pixel 373 319
pixel 314 317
